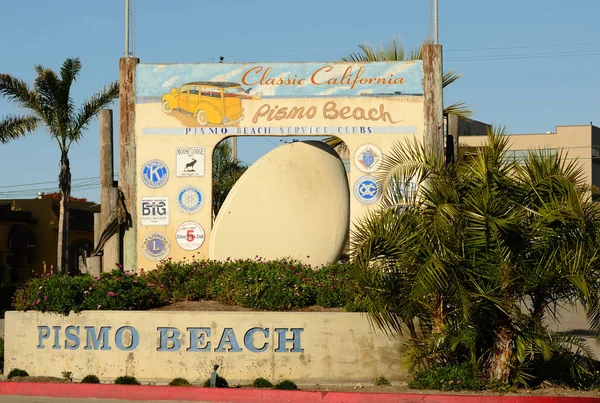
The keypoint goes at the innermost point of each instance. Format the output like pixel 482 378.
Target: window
pixel 596 155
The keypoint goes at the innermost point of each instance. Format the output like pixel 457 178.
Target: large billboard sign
pixel 184 110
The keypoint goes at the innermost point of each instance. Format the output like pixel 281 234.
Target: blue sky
pixel 529 65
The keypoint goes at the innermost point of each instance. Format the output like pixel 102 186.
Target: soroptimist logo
pixel 368 158
pixel 190 199
pixel 156 246
pixel 367 189
pixel 155 173
pixel 190 235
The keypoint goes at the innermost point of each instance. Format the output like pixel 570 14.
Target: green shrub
pixel 126 380
pixel 90 379
pixel 448 377
pixel 286 385
pixel 221 382
pixel 53 293
pixel 1 355
pixel 261 383
pixel 334 287
pixel 17 372
pixel 255 283
pixel 179 382
pixel 381 381
pixel 117 290
pixel 276 285
pixel 67 376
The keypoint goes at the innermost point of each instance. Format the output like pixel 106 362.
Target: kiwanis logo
pixel 155 173
pixel 368 158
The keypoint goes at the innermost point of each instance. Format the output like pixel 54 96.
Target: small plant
pixel 448 377
pixel 286 385
pixel 90 379
pixel 221 382
pixel 126 380
pixel 381 381
pixel 67 375
pixel 17 372
pixel 261 383
pixel 179 382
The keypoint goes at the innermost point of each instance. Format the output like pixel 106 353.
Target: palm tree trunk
pixel 499 365
pixel 64 183
pixel 437 315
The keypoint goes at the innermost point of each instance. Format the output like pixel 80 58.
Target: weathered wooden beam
pixel 106 164
pixel 127 160
pixel 453 131
pixel 433 100
pixel 93 264
pixel 111 255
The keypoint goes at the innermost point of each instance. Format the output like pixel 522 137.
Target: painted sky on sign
pixel 155 80
pixel 528 64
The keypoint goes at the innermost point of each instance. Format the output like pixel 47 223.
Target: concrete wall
pixel 159 346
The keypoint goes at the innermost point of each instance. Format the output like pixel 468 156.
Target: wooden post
pixel 433 100
pixel 106 164
pixel 453 131
pixel 111 256
pixel 94 263
pixel 127 160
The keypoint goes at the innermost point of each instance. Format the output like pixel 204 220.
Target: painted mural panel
pixel 192 107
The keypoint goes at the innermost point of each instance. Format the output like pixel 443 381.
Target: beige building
pixel 578 142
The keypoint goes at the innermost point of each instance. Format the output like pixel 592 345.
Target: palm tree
pixel 477 252
pixel 226 172
pixel 395 51
pixel 49 105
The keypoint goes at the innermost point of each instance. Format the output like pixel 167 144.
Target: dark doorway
pixel 21 244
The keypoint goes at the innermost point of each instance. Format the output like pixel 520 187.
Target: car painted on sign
pixel 209 102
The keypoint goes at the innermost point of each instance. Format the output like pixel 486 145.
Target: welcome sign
pixel 184 110
pixel 158 346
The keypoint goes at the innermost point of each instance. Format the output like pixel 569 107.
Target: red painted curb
pixel 134 392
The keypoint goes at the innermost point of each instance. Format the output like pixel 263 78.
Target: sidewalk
pixel 171 393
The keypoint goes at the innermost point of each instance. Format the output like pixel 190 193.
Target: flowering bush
pixel 53 293
pixel 63 294
pixel 256 283
pixel 119 290
pixel 253 283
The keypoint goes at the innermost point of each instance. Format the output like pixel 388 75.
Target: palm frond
pixel 17 91
pixel 90 108
pixel 47 86
pixel 460 109
pixel 394 51
pixel 337 143
pixel 13 127
pixel 449 77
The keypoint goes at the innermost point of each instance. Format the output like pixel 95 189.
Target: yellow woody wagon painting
pixel 217 103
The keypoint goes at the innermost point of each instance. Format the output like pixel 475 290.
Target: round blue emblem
pixel 155 173
pixel 156 246
pixel 190 199
pixel 367 189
